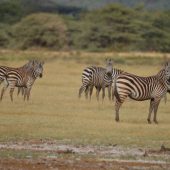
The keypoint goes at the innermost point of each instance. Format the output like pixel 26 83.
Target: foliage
pixel 116 27
pixel 157 36
pixel 40 30
pixel 96 4
pixel 4 35
pixel 10 11
pixel 113 27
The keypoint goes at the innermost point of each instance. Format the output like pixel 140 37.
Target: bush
pixel 4 37
pixel 40 30
pixel 10 11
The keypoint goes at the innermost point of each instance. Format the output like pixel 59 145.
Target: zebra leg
pixel 12 87
pixel 97 92
pixel 19 89
pixel 156 104
pixel 6 84
pixel 165 98
pixel 113 92
pixel 82 88
pixel 25 93
pixel 11 93
pixel 22 90
pixel 86 92
pixel 151 107
pixel 103 93
pixel 109 92
pixel 1 80
pixel 91 91
pixel 28 93
pixel 117 107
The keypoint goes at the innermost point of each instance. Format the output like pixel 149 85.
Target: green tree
pixel 10 11
pixel 40 30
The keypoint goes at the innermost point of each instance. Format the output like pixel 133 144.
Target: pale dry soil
pixel 47 154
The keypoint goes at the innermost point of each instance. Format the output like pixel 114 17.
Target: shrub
pixel 40 30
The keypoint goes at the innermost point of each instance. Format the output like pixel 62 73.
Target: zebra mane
pixel 30 65
pixel 161 75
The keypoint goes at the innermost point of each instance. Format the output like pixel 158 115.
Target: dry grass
pixel 55 112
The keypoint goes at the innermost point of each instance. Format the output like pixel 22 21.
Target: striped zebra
pixel 4 70
pixel 24 78
pixel 34 72
pixel 98 77
pixel 138 88
pixel 115 72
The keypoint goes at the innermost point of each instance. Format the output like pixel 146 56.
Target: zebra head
pixel 109 67
pixel 38 68
pixel 167 73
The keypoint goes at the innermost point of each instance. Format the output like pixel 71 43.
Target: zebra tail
pixel 116 94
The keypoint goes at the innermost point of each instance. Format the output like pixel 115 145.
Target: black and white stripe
pixel 96 76
pixel 23 77
pixel 151 88
pixel 4 70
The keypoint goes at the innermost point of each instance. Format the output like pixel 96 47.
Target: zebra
pixel 34 72
pixel 115 72
pixel 138 88
pixel 24 78
pixel 4 70
pixel 98 77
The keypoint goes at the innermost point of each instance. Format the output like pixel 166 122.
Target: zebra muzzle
pixel 40 75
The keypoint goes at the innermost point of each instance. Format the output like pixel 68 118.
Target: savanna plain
pixel 55 129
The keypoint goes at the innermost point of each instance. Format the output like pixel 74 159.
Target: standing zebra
pixel 98 77
pixel 23 78
pixel 151 88
pixel 115 72
pixel 4 70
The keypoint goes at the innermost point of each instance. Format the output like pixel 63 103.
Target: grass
pixel 55 112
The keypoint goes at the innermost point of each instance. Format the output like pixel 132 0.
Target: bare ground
pixel 54 155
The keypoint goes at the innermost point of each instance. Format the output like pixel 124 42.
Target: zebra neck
pixel 31 73
pixel 163 79
pixel 161 74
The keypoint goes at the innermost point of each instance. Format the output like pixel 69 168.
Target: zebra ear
pixel 166 64
pixel 34 62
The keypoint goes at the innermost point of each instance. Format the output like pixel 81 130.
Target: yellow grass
pixel 55 112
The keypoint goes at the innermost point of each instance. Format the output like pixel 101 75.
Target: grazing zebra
pixel 98 77
pixel 24 78
pixel 151 88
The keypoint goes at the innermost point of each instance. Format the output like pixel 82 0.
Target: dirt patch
pixel 69 164
pixel 62 156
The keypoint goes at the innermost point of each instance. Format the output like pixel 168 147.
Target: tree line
pixel 113 27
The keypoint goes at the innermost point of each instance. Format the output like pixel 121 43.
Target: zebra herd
pixel 124 85
pixel 22 77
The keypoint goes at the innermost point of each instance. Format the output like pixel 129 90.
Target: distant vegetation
pixel 95 4
pixel 55 25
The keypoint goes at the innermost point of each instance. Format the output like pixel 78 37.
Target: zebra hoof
pixel 117 120
pixel 149 122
